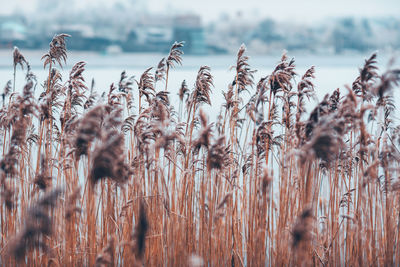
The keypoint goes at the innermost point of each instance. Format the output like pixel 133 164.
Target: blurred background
pixel 207 27
pixel 116 35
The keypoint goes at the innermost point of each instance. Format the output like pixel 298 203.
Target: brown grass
pixel 269 183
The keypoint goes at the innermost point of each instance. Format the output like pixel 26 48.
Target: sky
pixel 298 10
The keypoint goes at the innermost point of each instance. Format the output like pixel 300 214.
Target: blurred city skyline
pixel 299 11
pixel 207 27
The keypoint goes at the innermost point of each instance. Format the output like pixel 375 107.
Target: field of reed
pixel 128 178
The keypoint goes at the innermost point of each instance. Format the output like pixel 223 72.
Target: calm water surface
pixel 331 71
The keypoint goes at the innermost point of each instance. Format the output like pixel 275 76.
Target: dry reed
pixel 269 183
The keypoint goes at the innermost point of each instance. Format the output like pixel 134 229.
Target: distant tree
pixel 266 31
pixel 132 36
pixel 350 35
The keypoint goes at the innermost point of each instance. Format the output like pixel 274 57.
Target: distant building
pixel 83 37
pixel 151 34
pixel 12 31
pixel 188 28
pixel 156 34
pixel 153 38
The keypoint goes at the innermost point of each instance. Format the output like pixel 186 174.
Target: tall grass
pixel 96 181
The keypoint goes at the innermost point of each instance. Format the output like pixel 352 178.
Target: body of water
pixel 332 71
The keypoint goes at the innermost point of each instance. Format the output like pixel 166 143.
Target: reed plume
pixel 19 59
pixel 368 74
pixel 6 91
pixel 139 235
pixel 218 155
pixel 244 75
pixel 38 223
pixel 301 229
pixel 161 69
pixel 43 178
pixel 202 90
pixel 146 86
pixel 282 75
pixel 106 257
pixel 183 90
pixel 88 129
pixel 109 156
pixel 205 133
pixel 174 57
pixel 57 52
